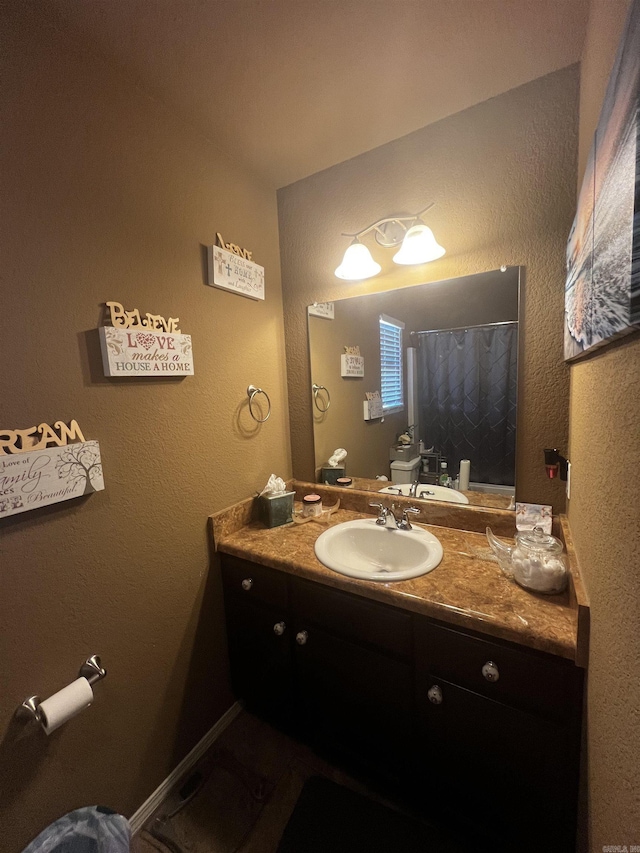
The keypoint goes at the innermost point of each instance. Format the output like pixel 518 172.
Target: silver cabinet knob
pixel 435 695
pixel 278 629
pixel 490 671
pixel 247 583
pixel 302 637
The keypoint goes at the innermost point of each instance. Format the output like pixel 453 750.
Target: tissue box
pixel 276 509
pixel 329 475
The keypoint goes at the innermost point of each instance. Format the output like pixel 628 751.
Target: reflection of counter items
pixel 33 473
pixel 134 345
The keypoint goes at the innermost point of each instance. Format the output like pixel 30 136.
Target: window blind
pixel 391 364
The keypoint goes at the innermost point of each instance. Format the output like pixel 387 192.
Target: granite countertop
pixel 467 589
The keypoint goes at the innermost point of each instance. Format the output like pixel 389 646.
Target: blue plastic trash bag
pixel 93 829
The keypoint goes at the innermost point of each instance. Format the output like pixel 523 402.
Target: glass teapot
pixel 535 560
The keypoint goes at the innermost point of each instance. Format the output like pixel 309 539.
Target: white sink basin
pixel 364 549
pixel 427 492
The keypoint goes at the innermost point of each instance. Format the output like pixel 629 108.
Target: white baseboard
pixel 142 815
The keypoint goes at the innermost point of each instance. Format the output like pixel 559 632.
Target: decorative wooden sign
pixel 229 271
pixel 322 309
pixel 33 474
pixel 351 363
pixel 372 406
pixel 122 319
pixel 144 346
pixel 231 247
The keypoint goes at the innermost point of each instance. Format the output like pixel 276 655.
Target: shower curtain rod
pixel 466 328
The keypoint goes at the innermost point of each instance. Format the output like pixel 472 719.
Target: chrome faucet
pixel 414 488
pixel 387 517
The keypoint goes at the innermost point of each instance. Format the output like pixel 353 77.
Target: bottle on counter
pixel 444 474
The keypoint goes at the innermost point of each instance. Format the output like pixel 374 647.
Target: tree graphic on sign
pixel 80 462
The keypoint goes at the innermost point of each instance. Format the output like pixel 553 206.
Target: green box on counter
pixel 329 475
pixel 276 509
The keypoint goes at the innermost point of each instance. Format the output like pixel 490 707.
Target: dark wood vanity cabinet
pixel 258 637
pixel 353 674
pixel 498 728
pixel 482 730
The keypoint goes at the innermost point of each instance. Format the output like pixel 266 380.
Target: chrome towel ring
pixel 316 390
pixel 251 393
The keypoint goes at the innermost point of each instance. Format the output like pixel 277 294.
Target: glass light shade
pixel 357 264
pixel 419 246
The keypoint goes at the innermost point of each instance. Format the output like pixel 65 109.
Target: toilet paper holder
pixel 91 669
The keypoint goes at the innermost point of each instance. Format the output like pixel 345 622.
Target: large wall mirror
pixel 457 362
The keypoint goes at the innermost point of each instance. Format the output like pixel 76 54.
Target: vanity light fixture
pixel 416 241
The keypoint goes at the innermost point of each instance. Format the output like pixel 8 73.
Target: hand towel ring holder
pixel 316 390
pixel 251 392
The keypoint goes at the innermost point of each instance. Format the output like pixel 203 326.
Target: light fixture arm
pixel 400 220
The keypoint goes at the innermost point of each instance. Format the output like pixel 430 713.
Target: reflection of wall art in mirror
pixel 372 406
pixel 459 366
pixel 321 309
pixel 351 362
pixel 602 290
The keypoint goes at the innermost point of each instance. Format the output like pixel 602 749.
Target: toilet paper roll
pixel 465 470
pixel 64 704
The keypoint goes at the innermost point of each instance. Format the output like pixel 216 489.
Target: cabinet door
pixel 353 697
pixel 507 768
pixel 260 656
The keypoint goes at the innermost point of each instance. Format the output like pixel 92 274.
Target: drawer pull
pixel 247 583
pixel 435 695
pixel 278 629
pixel 490 671
pixel 302 637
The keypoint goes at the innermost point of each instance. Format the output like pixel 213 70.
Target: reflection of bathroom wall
pixel 367 442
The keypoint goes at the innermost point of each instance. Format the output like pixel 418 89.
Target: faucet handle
pixel 383 512
pixel 405 524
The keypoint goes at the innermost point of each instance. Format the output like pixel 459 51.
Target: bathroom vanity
pixel 458 687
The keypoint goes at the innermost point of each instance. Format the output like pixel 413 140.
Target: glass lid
pixel 537 538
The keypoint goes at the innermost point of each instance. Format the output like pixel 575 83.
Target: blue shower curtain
pixel 467 383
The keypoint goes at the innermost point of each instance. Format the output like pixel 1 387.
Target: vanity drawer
pixel 352 617
pixel 527 680
pixel 252 581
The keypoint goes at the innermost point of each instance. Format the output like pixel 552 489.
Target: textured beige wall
pixel 106 195
pixel 605 518
pixel 367 442
pixel 503 177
